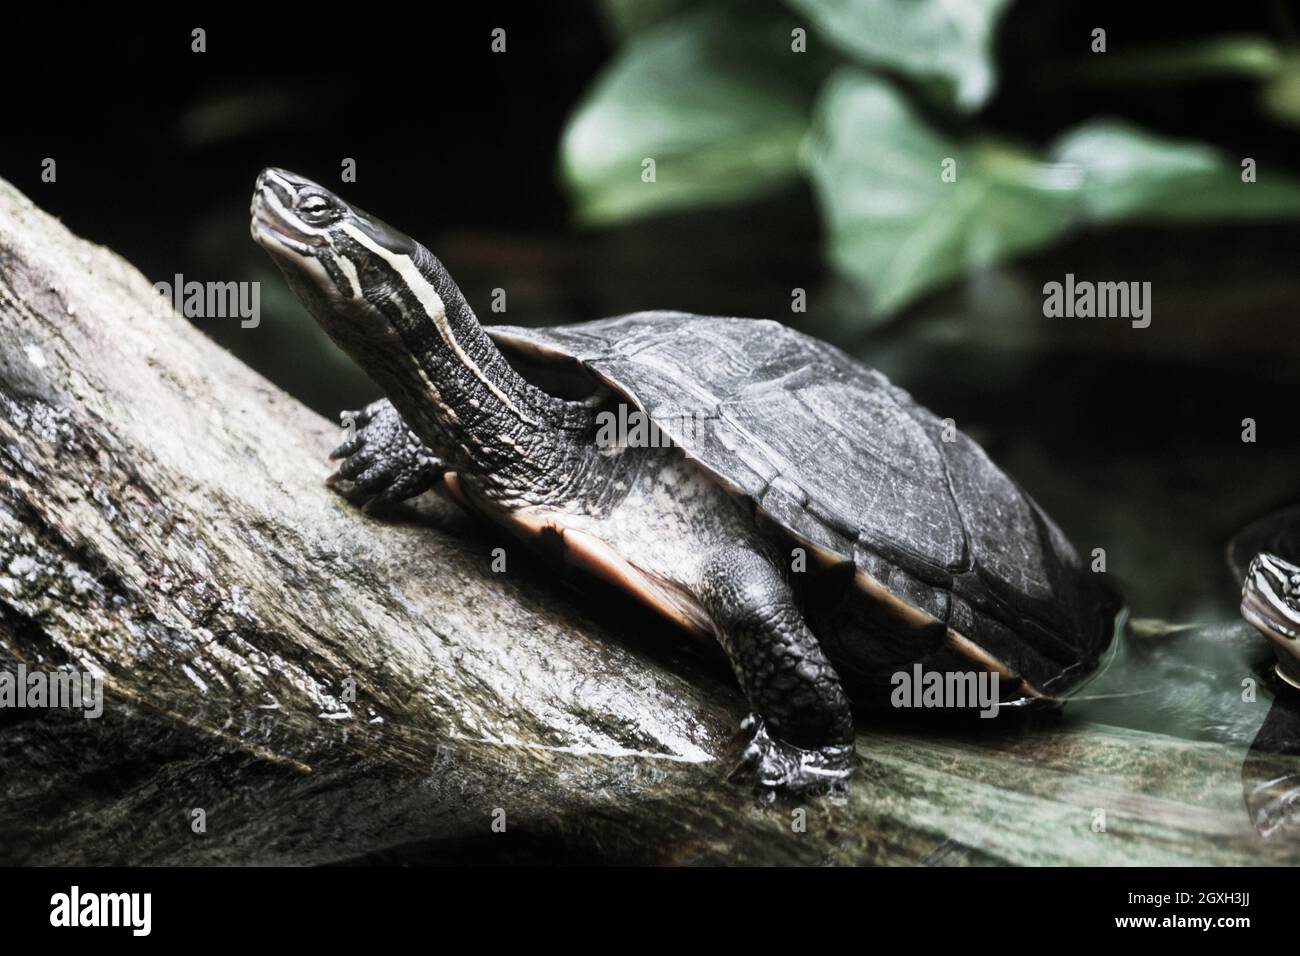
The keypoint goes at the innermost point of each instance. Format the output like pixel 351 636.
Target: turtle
pixel 1264 556
pixel 769 492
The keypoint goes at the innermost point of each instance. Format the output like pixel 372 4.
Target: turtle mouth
pixel 271 230
pixel 273 224
pixel 1265 617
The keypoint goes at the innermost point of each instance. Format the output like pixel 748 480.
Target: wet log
pixel 319 685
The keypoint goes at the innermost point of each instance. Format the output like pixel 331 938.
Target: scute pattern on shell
pixel 844 460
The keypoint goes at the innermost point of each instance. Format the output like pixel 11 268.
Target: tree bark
pixel 164 523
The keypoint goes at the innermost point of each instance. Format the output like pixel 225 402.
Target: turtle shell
pixel 847 463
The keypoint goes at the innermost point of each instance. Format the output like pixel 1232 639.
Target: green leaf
pixel 892 222
pixel 719 102
pixel 898 228
pixel 1249 56
pixel 1280 97
pixel 1127 174
pixel 948 40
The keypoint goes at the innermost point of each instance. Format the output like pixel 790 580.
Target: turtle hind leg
pixel 383 462
pixel 803 725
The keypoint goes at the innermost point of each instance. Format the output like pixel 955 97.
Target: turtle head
pixel 391 305
pixel 343 263
pixel 1270 600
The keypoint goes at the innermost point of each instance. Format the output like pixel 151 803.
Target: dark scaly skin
pixel 781 668
pixel 802 721
pixel 384 462
pixel 457 405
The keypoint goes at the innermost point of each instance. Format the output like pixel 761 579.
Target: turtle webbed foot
pixel 782 767
pixel 383 462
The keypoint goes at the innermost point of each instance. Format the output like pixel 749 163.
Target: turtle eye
pixel 318 210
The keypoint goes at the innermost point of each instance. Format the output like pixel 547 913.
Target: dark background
pixel 1131 441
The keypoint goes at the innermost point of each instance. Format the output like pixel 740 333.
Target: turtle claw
pixel 349 447
pixel 780 766
pixel 746 728
pixel 383 463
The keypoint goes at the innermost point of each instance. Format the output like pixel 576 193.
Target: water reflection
pixel 1270 776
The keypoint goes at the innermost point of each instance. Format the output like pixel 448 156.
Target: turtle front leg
pixel 384 462
pixel 803 726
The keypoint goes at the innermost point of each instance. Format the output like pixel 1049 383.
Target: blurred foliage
pixel 897 226
pixel 952 42
pixel 717 95
pixel 716 102
pixel 1252 57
